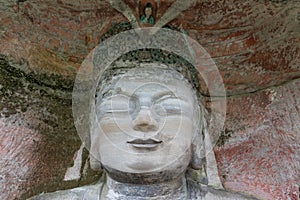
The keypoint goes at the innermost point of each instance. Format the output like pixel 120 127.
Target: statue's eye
pixel 114 104
pixel 159 110
pixel 168 106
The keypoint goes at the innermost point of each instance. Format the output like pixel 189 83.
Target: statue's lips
pixel 142 143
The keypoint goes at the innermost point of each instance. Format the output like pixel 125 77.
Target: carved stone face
pixel 147 122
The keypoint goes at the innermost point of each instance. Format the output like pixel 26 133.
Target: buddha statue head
pixel 149 123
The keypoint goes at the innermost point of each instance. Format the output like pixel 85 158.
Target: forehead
pixel 153 80
pixel 153 73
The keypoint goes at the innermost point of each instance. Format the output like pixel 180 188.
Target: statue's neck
pixel 174 189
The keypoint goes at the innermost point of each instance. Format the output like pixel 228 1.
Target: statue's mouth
pixel 142 143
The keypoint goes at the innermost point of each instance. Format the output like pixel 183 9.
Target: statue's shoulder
pixel 215 194
pixel 79 193
pixel 198 191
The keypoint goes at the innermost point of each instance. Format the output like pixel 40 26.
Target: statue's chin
pixel 142 166
pixel 141 177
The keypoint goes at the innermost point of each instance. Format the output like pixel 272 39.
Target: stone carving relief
pixel 148 137
pixel 149 133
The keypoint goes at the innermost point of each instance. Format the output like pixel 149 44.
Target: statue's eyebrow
pixel 116 91
pixel 122 92
pixel 168 94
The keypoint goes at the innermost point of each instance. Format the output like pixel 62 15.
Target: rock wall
pixel 255 44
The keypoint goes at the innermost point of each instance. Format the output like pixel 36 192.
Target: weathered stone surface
pixel 261 153
pixel 38 138
pixel 254 43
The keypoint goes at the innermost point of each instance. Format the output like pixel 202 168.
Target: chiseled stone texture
pixel 254 43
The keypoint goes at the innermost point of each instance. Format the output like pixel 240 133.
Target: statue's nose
pixel 145 122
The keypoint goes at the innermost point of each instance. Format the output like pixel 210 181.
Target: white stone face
pixel 147 123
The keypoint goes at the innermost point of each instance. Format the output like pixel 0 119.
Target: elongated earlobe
pixel 95 164
pixel 197 152
pixel 211 163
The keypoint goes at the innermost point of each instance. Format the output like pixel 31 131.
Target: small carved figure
pixel 147 17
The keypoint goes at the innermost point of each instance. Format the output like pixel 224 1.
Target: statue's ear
pixel 94 147
pixel 197 147
pixel 95 160
pixel 197 152
pixel 211 163
pixel 95 163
